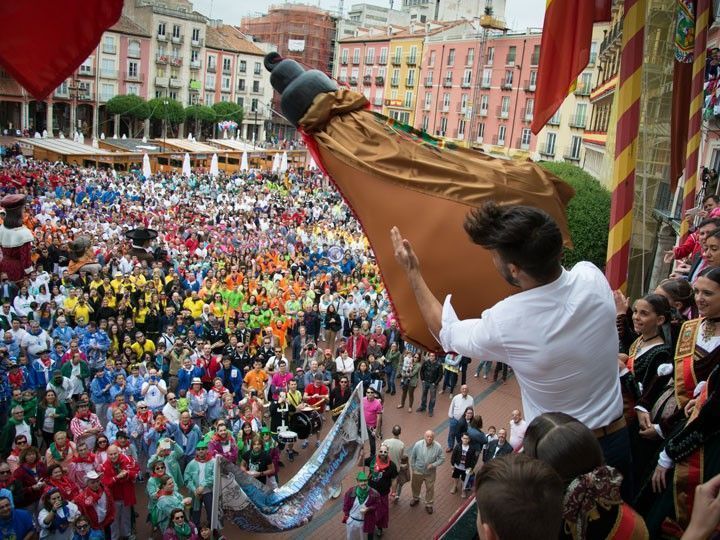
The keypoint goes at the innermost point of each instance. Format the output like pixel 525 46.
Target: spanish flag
pixel 564 51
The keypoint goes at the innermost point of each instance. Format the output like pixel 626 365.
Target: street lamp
pixel 165 103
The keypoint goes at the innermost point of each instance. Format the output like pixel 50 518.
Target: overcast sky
pixel 520 13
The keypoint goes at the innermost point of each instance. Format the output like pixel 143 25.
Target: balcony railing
pixel 194 85
pixel 410 83
pixel 210 85
pixel 554 121
pixel 86 96
pixel 367 80
pixel 528 116
pixel 133 53
pixel 382 60
pixel 109 48
pixel 62 92
pixel 396 61
pixel 177 39
pixel 483 112
pixel 426 107
pixel 377 102
pixel 344 61
pixel 212 68
pixel 226 70
pixel 534 59
pixel 379 79
pixel 507 85
pixel 162 37
pixel 177 83
pixel 369 60
pixel 446 108
pixel 257 90
pixel 196 42
pixel 411 60
pixel 465 84
pixel 161 82
pixel 502 113
pixel 195 64
pixel 353 81
pixel 578 121
pixel 485 84
pixel 108 73
pixel 572 154
pixel 176 61
pixel 162 59
pixel 582 91
pixel 87 72
pixel 447 83
pixel 498 141
pixel 356 61
pixel 522 145
pixel 428 82
pixel 133 76
pixel 510 61
pixel 394 82
pixel 528 86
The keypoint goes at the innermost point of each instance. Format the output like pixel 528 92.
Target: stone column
pixel 665 242
pixel 96 121
pixel 73 118
pixel 49 118
pixel 181 131
pixel 25 115
pixel 117 125
pixel 146 128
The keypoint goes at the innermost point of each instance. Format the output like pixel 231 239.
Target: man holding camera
pixel 153 391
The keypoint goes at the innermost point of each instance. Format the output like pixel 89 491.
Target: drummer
pixel 316 399
pixel 294 399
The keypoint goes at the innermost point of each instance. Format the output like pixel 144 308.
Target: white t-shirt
pixel 560 339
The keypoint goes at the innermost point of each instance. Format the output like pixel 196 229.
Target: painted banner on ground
pixel 240 499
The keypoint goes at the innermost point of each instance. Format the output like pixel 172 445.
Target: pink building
pixel 448 82
pixel 220 57
pixel 362 65
pixel 480 91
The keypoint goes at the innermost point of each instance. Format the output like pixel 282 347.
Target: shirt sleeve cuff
pixel 641 408
pixel 658 430
pixel 449 317
pixel 664 460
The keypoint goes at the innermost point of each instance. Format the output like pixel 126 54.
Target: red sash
pixel 685 381
pixel 629 525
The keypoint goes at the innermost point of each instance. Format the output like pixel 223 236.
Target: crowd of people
pixel 255 307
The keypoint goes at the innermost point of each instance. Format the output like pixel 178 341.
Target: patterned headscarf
pixel 599 487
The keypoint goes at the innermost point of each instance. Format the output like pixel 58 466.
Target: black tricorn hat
pixel 141 234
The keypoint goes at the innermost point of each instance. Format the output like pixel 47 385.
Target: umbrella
pixel 45 134
pixel 147 171
pixel 244 162
pixel 62 135
pixel 186 165
pixel 190 137
pixel 76 137
pixel 102 136
pixel 276 162
pixel 214 166
pixel 124 137
pixel 283 163
pixel 144 140
pixel 82 139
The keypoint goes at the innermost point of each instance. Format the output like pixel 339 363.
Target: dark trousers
pixel 372 439
pixel 206 501
pixel 616 449
pixel 431 390
pixel 498 366
pixel 390 373
pixel 450 381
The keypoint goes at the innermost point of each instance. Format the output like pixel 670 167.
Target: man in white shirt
pixel 558 333
pixel 517 430
pixel 153 391
pixel 170 410
pixel 458 404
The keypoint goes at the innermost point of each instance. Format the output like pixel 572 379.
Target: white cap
pixel 92 475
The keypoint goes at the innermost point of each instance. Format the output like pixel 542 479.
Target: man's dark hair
pixel 396 430
pixel 520 497
pixel 521 235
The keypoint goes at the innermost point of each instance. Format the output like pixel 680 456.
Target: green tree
pixel 167 109
pixel 226 110
pixel 588 214
pixel 201 115
pixel 131 110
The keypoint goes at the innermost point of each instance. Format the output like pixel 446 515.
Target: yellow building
pixel 405 54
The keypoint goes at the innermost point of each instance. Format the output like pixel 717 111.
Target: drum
pixel 301 424
pixel 315 421
pixel 287 437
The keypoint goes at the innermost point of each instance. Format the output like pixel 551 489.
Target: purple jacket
pixel 373 501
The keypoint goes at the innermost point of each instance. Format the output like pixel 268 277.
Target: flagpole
pixel 626 144
pixel 692 154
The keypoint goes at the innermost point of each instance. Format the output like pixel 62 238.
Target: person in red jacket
pixel 119 473
pixel 357 345
pixel 96 502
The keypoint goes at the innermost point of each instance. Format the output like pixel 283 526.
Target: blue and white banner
pixel 240 499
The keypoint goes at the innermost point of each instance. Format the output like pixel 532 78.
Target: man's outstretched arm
pixel 430 307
